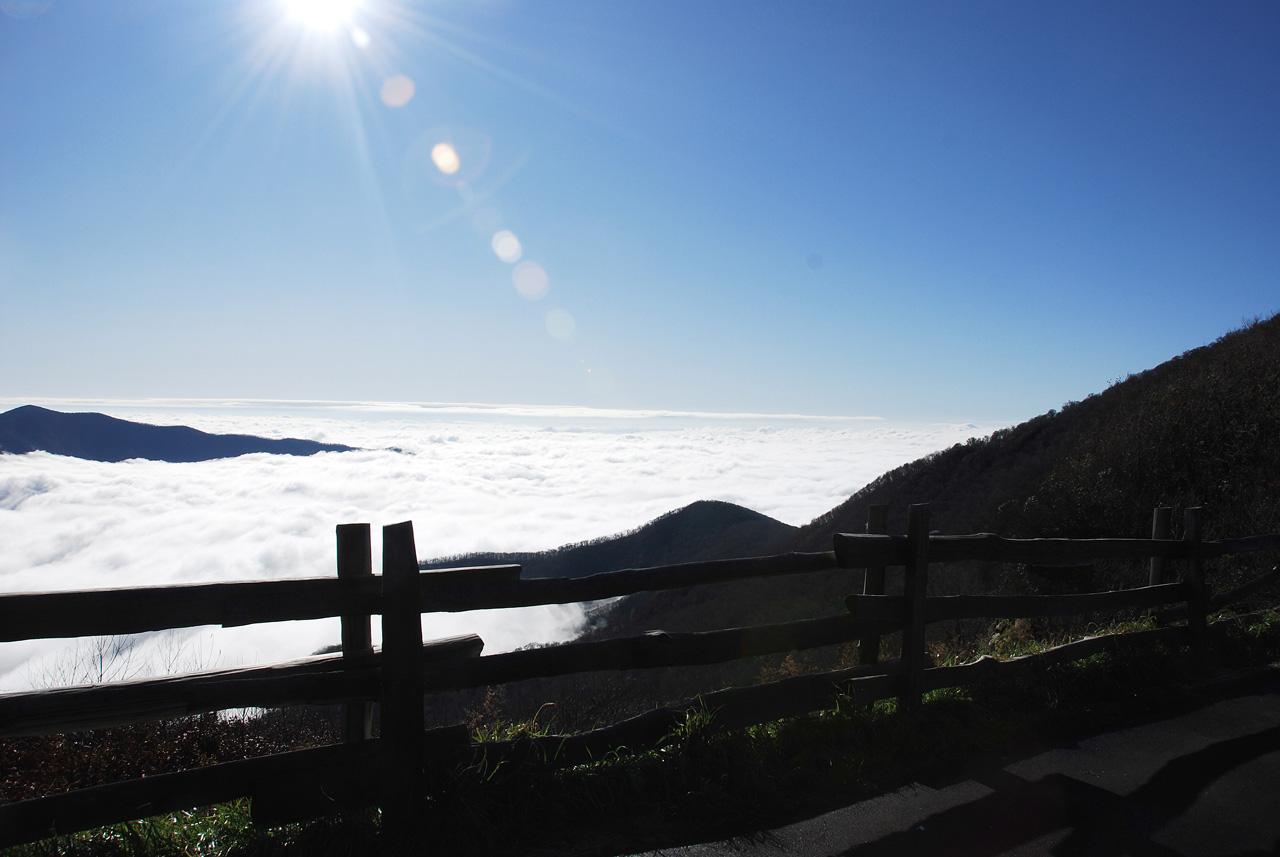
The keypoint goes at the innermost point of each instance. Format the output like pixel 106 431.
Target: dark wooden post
pixel 355 560
pixel 873 582
pixel 1197 595
pixel 401 732
pixel 915 582
pixel 1161 528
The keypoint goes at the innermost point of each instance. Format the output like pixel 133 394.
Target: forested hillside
pixel 1202 429
pixel 708 529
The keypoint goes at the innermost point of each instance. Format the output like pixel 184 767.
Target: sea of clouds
pixel 471 478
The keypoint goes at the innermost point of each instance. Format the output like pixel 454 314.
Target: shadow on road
pixel 1101 823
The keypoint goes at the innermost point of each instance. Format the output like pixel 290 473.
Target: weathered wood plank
pixel 915 584
pixel 1197 592
pixel 1161 530
pixel 873 582
pixel 402 778
pixel 887 608
pixel 100 612
pixel 31 820
pixel 444 595
pixel 855 550
pixel 1247 544
pixel 987 668
pixel 1222 599
pixel 319 680
pixel 655 649
pixel 355 561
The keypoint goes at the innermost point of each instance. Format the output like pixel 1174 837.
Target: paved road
pixel 1203 782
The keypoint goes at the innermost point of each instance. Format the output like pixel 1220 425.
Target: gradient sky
pixel 920 211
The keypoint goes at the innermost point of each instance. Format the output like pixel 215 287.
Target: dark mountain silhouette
pixel 1202 429
pixel 98 437
pixel 705 530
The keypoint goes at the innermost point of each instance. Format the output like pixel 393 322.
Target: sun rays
pixel 322 14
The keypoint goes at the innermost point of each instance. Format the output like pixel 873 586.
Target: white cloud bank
pixel 467 485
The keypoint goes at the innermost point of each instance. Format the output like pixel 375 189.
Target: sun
pixel 322 14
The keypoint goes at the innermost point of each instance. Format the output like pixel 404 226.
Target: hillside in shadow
pixel 98 437
pixel 1202 429
pixel 705 530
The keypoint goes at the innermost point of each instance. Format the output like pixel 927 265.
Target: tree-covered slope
pixel 1202 429
pixel 705 530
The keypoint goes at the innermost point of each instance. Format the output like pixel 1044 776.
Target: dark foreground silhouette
pixel 1200 782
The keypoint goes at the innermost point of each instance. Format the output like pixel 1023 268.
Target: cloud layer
pixel 466 484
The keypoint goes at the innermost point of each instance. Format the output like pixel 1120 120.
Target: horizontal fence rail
pixel 942 608
pixel 103 612
pixel 388 770
pixel 858 550
pixel 319 680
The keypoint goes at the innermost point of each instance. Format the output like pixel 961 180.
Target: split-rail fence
pixel 390 770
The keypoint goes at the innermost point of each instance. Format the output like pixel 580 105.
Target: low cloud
pixel 467 485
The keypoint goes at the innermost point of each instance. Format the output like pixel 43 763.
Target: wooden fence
pixel 389 770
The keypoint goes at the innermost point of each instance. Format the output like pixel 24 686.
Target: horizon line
pixel 420 408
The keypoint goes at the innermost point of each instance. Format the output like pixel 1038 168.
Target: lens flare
pixel 446 159
pixel 25 9
pixel 560 325
pixel 450 156
pixel 398 91
pixel 530 280
pixel 507 246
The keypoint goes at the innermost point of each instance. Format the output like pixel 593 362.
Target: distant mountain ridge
pixel 98 437
pixel 705 530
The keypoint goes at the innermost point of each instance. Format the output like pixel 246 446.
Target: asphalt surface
pixel 1205 782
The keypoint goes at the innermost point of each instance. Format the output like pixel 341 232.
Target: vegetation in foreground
pixel 700 782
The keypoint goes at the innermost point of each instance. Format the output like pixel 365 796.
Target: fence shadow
pixel 1097 821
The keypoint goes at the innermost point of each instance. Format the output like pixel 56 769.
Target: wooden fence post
pixel 873 583
pixel 355 560
pixel 1197 595
pixel 915 583
pixel 401 732
pixel 1161 527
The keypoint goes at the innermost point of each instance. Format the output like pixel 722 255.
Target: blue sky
pixel 919 211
